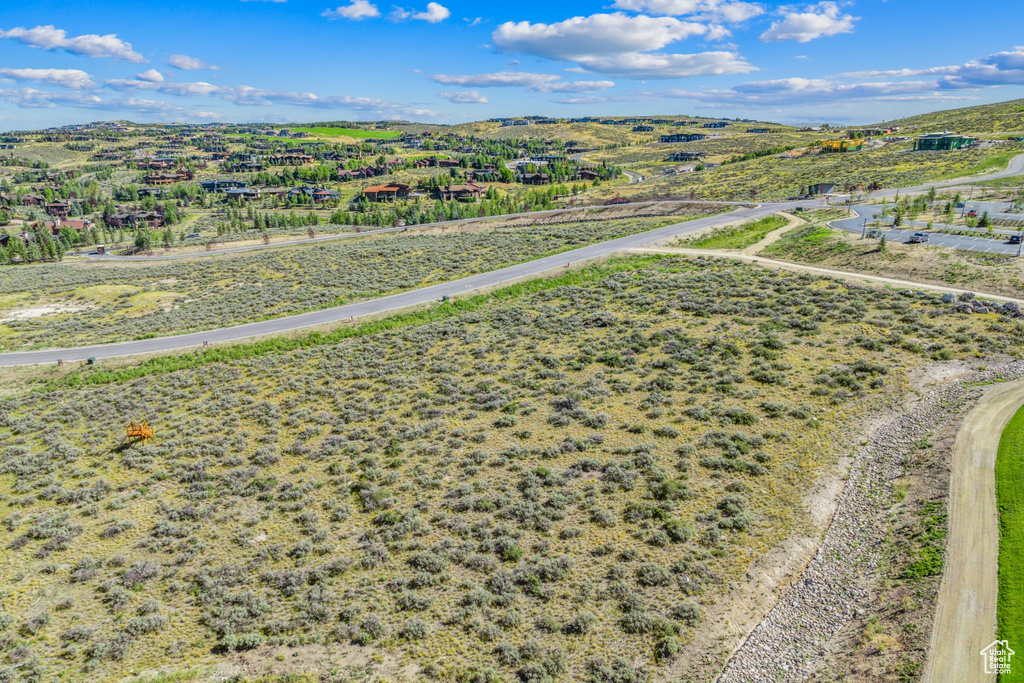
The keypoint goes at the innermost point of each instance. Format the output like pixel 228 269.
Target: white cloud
pixel 598 34
pixel 357 10
pixel 466 97
pixel 151 75
pixel 186 63
pixel 732 12
pixel 91 45
pixel 546 83
pixel 816 21
pixel 433 14
pixel 65 78
pixel 618 44
pixel 659 65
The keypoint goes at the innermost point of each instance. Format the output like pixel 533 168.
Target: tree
pixel 985 221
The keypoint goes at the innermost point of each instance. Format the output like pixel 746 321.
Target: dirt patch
pixel 39 311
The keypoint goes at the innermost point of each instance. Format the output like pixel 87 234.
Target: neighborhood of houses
pixel 151 177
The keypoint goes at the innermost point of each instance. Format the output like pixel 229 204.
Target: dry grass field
pixel 552 485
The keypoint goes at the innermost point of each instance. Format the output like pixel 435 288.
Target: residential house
pixel 60 208
pixel 387 193
pixel 683 137
pixel 246 167
pixel 716 124
pixel 943 142
pixel 291 159
pixel 32 200
pixel 319 195
pixel 534 178
pixel 643 129
pixel 820 188
pixel 220 185
pixel 686 156
pixel 243 194
pixel 463 193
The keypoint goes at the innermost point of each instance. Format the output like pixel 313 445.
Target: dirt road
pixel 965 619
pixel 827 272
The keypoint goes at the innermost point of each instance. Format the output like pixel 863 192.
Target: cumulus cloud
pixel 150 75
pixel 614 33
pixel 619 44
pixel 90 45
pixel 466 97
pixel 544 83
pixel 433 14
pixel 815 21
pixel 65 78
pixel 357 10
pixel 732 12
pixel 186 63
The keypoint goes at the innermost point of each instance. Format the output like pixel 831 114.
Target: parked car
pixel 1015 239
pixel 875 234
pixel 192 235
pixel 973 213
pixel 918 238
pixel 960 205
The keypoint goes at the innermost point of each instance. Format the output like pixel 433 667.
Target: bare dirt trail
pixel 965 618
pixel 827 272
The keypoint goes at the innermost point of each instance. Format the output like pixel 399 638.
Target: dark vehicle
pixel 960 205
pixel 918 238
pixel 192 235
pixel 1014 239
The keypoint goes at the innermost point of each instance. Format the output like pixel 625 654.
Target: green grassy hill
pixel 1001 117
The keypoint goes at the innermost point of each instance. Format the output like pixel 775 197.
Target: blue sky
pixel 453 61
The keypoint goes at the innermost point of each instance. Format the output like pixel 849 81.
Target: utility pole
pixel 863 228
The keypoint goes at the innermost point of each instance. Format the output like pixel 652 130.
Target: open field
pixel 895 165
pixel 1010 500
pixel 1001 117
pixel 560 482
pixel 131 300
pixel 355 133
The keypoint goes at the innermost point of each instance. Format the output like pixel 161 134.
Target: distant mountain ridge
pixel 1001 117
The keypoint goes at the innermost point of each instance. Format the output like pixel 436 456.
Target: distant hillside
pixel 1002 117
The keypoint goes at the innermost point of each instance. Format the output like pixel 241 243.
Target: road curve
pixel 965 618
pixel 424 295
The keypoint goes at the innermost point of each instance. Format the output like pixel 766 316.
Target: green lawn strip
pixel 736 236
pixel 443 311
pixel 1010 500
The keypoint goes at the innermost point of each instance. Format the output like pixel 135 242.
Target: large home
pixel 243 193
pixel 221 185
pixel 839 146
pixel 683 137
pixel 535 178
pixel 60 208
pixel 55 225
pixel 32 200
pixel 643 129
pixel 463 193
pixel 387 193
pixel 716 124
pixel 135 219
pixel 820 188
pixel 686 156
pixel 291 159
pixel 943 142
pixel 319 195
pixel 246 167
pixel 167 178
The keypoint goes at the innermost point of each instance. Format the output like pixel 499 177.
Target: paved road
pixel 936 239
pixel 391 303
pixel 427 294
pixel 965 618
